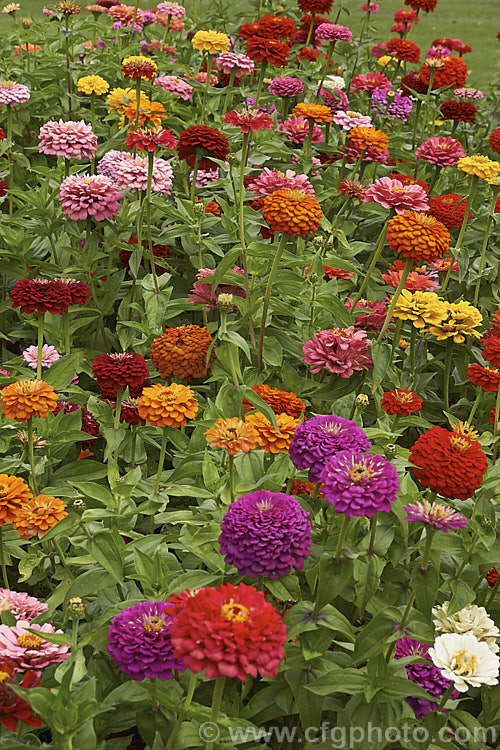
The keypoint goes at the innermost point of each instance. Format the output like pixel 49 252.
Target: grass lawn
pixel 475 22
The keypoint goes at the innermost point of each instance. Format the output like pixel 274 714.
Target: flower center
pixel 234 611
pixel 464 663
pixel 464 428
pixel 120 356
pixel 426 221
pixel 153 623
pixel 459 442
pixel 30 641
pixel 7 85
pixel 360 473
pixel 4 676
pixel 403 398
pixel 263 506
pixel 3 489
pixel 295 195
pixel 332 428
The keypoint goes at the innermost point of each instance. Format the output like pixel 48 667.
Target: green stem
pixel 185 707
pixel 231 476
pixel 432 72
pixel 468 205
pixel 395 339
pixel 376 255
pixel 475 405
pixel 165 34
pixel 148 220
pixel 133 430
pixel 134 16
pixel 427 548
pixel 241 206
pixel 489 601
pixel 413 339
pixel 2 560
pixel 41 320
pixel 9 157
pixel 340 541
pixel 445 697
pixel 232 76
pixel 396 294
pixel 331 47
pixel 118 408
pixel 267 295
pixel 161 460
pixel 67 340
pixel 74 632
pixel 485 246
pixel 310 32
pixel 495 426
pixel 262 74
pixel 31 453
pixel 402 625
pixel 62 558
pixel 137 102
pixel 447 373
pixel 210 62
pixel 195 176
pixel 216 704
pixel 372 535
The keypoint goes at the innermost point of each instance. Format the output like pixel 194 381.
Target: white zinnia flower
pixel 465 660
pixel 334 82
pixel 470 619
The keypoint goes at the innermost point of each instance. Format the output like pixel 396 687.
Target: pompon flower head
pixel 458 110
pixel 270 180
pixel 281 402
pixel 139 641
pixel 370 82
pixel 68 139
pixel 418 237
pixel 450 464
pixel 119 371
pixel 401 401
pixel 176 86
pixel 495 140
pixel 315 6
pixel 417 280
pixel 265 534
pixel 392 104
pixel 92 85
pixel 292 212
pixel 79 291
pixel 28 650
pixel 391 193
pixel 349 119
pixel 248 120
pixel 27 398
pixel 132 173
pixel 452 74
pixel 341 351
pixel 422 308
pixel 465 660
pixel 49 356
pixel 437 516
pixel 229 630
pixel 316 112
pixel 233 434
pixel 479 166
pixel 470 619
pixel 461 320
pixel 109 162
pixel 95 196
pixel 39 514
pixel 333 32
pixel 428 676
pixel 403 50
pixel 202 143
pixel 139 66
pixel 366 137
pixel 373 313
pixel 240 63
pixel 170 406
pixel 469 93
pixel 487 378
pixel 270 439
pixel 14 493
pixel 12 93
pixel 171 9
pixel 449 209
pixel 146 139
pixel 297 128
pixel 286 86
pixel 319 438
pixel 211 42
pixel 182 352
pixel 359 484
pixel 41 296
pixel 271 51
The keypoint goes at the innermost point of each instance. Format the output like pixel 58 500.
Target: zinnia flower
pixel 333 32
pixel 140 644
pixel 13 708
pixel 392 104
pixel 450 464
pixel 417 280
pixel 12 93
pixel 248 120
pixel 119 371
pixel 340 350
pixel 92 85
pixel 211 41
pixel 373 314
pixel 146 139
pixel 359 484
pixel 449 209
pixel 30 651
pixel 13 494
pixel 270 51
pixel 27 398
pixel 132 173
pixel 175 85
pixel 442 151
pixel 49 356
pixel 167 406
pixel 315 6
pixel 422 308
pixel 292 212
pixel 418 237
pixel 316 112
pixel 68 139
pixel 139 66
pixel 470 619
pixel 458 111
pixel 232 434
pixel 265 534
pixel 401 401
pixel 281 402
pixel 86 195
pixel 370 82
pixel 41 295
pixel 403 50
pixel 270 180
pixel 349 119
pixel 229 630
pixel 435 515
pixel 319 438
pixel 297 128
pixel 286 86
pixel 392 193
pixel 461 320
pixel 479 166
pixel 181 352
pixel 365 137
pixel 495 139
pixel 451 73
pixel 269 439
pixel 240 63
pixel 37 515
pixel 487 378
pixel 465 660
pixel 200 142
pixel 21 605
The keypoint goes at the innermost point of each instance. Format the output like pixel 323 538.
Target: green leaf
pixel 62 372
pixel 463 594
pixel 425 584
pixel 239 341
pixel 377 635
pixel 350 681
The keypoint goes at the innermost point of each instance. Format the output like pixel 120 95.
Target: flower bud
pixel 79 504
pixel 319 241
pixel 390 450
pixel 199 208
pixel 313 277
pixel 361 401
pixel 27 22
pixel 225 302
pixel 76 607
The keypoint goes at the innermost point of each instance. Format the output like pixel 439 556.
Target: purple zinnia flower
pixel 359 484
pixel 109 162
pixel 139 641
pixel 335 99
pixel 441 517
pixel 316 440
pixel 333 32
pixel 286 86
pixel 392 104
pixel 265 534
pixel 427 676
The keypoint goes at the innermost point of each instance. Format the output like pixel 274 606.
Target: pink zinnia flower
pixel 373 7
pixel 89 195
pixel 379 49
pixel 419 280
pixel 201 294
pixel 30 651
pixel 271 180
pixel 373 315
pixel 468 93
pixel 12 93
pixel 132 173
pixel 204 177
pixel 228 61
pixel 49 356
pixel 333 32
pixel 353 151
pixel 443 151
pixel 286 86
pixel 171 9
pixel 393 194
pixel 175 85
pixel 296 129
pixel 438 51
pixel 248 120
pixel 68 139
pixel 350 119
pixel 202 78
pixel 23 606
pixel 339 350
pixel 370 82
pixel 109 162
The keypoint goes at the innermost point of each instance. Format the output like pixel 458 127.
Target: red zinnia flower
pixel 425 5
pixel 452 74
pixel 403 50
pixel 268 50
pixel 308 54
pixel 491 344
pixel 412 83
pixel 449 209
pixel 205 143
pixel 487 378
pixel 145 139
pixel 315 6
pixel 492 577
pixel 495 140
pixel 248 120
pixel 41 295
pixel 13 708
pixel 401 401
pixel 115 371
pixel 2 134
pixel 229 630
pixel 275 27
pixel 80 292
pixel 448 463
pixel 129 412
pixel 248 30
pixel 458 111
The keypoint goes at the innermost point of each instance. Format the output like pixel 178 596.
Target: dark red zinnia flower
pixel 492 577
pixel 315 6
pixel 487 378
pixel 401 401
pixel 149 140
pixel 412 83
pixel 3 188
pixel 306 53
pixel 89 424
pixel 248 30
pixel 13 708
pixel 307 19
pixel 458 111
pixel 270 51
pixel 275 27
pixel 452 74
pixel 449 209
pixel 403 50
pixel 115 371
pixel 80 292
pixel 41 295
pixel 159 251
pixel 129 412
pixel 2 134
pixel 448 463
pixel 203 142
pixel 495 140
pixel 426 5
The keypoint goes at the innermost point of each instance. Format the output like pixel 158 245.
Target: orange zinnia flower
pixel 281 402
pixel 28 398
pixel 151 114
pixel 38 515
pixel 13 493
pixel 316 112
pixel 292 211
pixel 182 352
pixel 170 406
pixel 233 434
pixel 138 66
pixel 369 137
pixel 269 438
pixel 418 236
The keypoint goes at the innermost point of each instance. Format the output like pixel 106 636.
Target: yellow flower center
pixel 459 442
pixel 3 489
pixel 463 663
pixel 30 641
pixel 234 611
pixel 425 220
pixel 464 428
pixel 360 473
pixel 153 623
pixel 4 676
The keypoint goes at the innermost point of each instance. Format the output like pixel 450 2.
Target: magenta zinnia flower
pixel 49 356
pixel 393 194
pixel 286 86
pixel 23 606
pixel 89 195
pixel 132 173
pixel 204 177
pixel 296 129
pixel 109 162
pixel 468 93
pixel 271 180
pixel 240 63
pixel 349 119
pixel 175 85
pixel 30 651
pixel 201 294
pixel 373 316
pixel 443 151
pixel 333 32
pixel 370 82
pixel 12 93
pixel 248 120
pixel 68 139
pixel 441 517
pixel 339 350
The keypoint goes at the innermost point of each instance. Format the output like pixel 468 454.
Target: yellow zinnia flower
pixel 119 99
pixel 461 320
pixel 479 166
pixel 422 308
pixel 211 41
pixel 92 85
pixel 385 60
